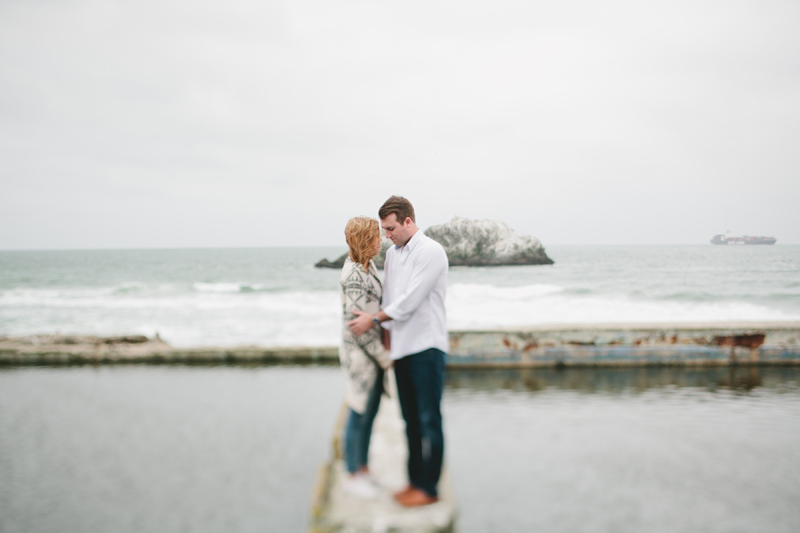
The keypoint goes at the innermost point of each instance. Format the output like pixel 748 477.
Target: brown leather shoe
pixel 403 493
pixel 416 498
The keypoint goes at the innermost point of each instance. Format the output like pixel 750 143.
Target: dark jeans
pixel 420 381
pixel 359 428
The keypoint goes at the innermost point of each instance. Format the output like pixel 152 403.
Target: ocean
pixel 275 296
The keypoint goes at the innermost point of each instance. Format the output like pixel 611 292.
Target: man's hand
pixel 361 323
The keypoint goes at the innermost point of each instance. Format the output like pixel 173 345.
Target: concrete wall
pixel 567 345
pixel 628 344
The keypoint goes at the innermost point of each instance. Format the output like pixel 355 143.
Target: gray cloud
pixel 174 123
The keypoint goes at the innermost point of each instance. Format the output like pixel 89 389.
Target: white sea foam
pixel 228 287
pixel 482 306
pixel 182 318
pixel 217 287
pixel 477 292
pixel 99 298
pixel 236 313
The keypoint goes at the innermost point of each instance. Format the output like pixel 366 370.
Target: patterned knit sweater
pixel 360 356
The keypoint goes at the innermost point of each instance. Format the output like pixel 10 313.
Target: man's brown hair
pixel 401 208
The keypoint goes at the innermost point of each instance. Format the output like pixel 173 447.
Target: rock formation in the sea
pixel 336 263
pixel 486 243
pixel 339 262
pixel 474 243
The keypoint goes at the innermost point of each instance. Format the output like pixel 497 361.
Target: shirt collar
pixel 412 242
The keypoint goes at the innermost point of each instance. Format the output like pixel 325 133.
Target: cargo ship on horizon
pixel 728 239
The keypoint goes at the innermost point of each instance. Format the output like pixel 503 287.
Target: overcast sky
pixel 177 123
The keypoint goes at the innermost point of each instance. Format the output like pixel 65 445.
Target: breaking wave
pixel 471 306
pixel 232 287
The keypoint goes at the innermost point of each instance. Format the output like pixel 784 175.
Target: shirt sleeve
pixel 387 272
pixel 428 266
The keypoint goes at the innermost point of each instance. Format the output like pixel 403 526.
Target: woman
pixel 363 358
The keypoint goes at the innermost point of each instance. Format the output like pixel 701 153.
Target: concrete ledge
pixel 56 349
pixel 628 344
pixel 335 510
pixel 535 346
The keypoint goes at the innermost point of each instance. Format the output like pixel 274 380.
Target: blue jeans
pixel 359 428
pixel 420 381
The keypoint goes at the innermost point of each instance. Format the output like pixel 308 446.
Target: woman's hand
pixel 387 339
pixel 361 323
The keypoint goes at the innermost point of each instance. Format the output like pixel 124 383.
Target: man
pixel 415 282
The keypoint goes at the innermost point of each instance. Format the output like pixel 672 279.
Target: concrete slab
pixel 335 510
pixel 688 344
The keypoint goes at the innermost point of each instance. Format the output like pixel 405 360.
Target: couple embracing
pixel 400 323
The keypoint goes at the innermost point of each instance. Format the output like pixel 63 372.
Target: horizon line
pixel 344 245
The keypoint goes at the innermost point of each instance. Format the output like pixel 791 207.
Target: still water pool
pixel 232 448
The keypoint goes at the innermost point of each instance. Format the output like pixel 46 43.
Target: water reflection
pixel 646 450
pixel 236 447
pixel 134 448
pixel 615 380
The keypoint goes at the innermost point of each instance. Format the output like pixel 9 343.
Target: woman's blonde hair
pixel 360 234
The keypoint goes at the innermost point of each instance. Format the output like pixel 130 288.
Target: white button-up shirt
pixel 414 287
